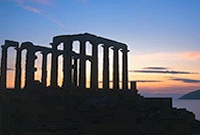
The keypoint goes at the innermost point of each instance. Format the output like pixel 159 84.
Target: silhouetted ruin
pixel 70 65
pixel 72 108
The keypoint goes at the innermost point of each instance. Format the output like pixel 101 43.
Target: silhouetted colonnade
pixel 74 72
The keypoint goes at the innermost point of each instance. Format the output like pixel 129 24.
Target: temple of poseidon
pixel 74 64
pixel 108 104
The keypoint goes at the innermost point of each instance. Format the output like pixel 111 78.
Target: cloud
pixel 31 9
pixel 44 2
pixel 53 20
pixel 185 80
pixel 146 81
pixel 156 68
pixel 191 55
pixel 138 81
pixel 162 71
pixel 27 5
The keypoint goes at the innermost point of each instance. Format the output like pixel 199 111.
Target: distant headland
pixel 192 95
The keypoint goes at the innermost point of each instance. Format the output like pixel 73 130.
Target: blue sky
pixel 152 28
pixel 164 25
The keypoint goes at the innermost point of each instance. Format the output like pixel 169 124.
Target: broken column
pixel 134 86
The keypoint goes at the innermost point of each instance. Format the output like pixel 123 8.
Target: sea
pixel 190 105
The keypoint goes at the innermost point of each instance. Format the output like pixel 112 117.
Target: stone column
pixel 115 68
pixel 82 68
pixel 125 69
pixel 75 72
pixel 3 66
pixel 94 67
pixel 67 64
pixel 44 68
pixel 18 69
pixel 54 66
pixel 4 61
pixel 30 67
pixel 105 67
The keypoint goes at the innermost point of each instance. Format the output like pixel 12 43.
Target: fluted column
pixel 3 77
pixel 115 68
pixel 105 67
pixel 44 68
pixel 54 66
pixel 75 72
pixel 125 69
pixel 3 67
pixel 30 67
pixel 18 69
pixel 94 67
pixel 67 64
pixel 82 68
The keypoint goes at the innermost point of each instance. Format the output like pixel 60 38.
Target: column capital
pixel 44 52
pixel 27 45
pixel 9 43
pixel 58 40
pixel 82 41
pixel 70 41
pixel 4 47
pixel 53 45
pixel 125 50
pixel 106 46
pixel 94 42
pixel 115 48
pixel 17 49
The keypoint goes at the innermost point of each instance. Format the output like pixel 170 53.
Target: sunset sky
pixel 163 36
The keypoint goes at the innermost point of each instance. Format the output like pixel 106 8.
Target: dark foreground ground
pixel 102 112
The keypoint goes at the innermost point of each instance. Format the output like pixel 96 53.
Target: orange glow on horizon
pixel 163 82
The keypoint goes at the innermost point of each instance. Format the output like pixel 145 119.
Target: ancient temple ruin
pixel 74 64
pixel 40 105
